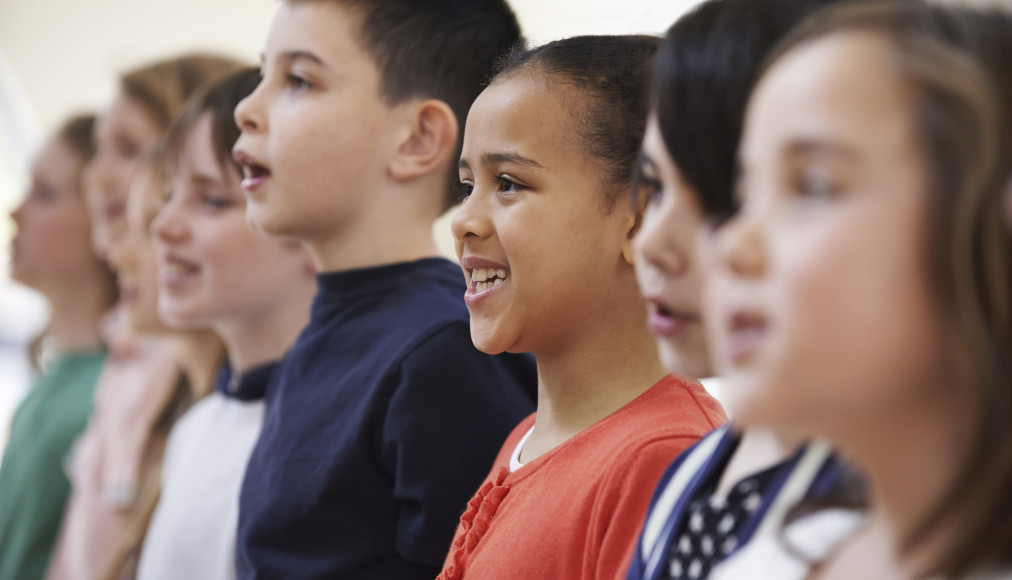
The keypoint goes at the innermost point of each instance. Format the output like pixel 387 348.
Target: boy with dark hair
pixel 384 418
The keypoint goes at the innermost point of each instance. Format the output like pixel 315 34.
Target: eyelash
pixel 504 184
pixel 296 82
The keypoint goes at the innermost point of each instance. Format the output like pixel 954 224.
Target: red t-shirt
pixel 576 511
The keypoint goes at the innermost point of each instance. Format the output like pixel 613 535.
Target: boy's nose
pixel 246 115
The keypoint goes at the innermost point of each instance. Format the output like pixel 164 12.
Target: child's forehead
pixel 322 30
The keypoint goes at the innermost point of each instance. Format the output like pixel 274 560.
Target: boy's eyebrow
pixel 294 55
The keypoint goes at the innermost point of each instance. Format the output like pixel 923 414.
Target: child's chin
pixel 486 343
pixel 266 222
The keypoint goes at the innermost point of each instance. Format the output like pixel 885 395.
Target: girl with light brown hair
pixel 113 460
pixel 864 292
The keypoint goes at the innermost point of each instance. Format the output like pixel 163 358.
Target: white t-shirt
pixel 193 531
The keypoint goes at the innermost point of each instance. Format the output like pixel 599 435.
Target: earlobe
pixel 430 141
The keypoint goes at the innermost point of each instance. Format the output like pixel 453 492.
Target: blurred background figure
pixel 118 454
pixel 52 254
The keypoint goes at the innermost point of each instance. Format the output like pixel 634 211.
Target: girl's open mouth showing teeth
pixel 484 278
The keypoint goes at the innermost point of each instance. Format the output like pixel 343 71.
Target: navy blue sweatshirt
pixel 381 423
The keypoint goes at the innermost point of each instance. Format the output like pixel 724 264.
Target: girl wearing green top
pixel 52 254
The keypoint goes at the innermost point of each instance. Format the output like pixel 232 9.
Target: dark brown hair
pixel 957 61
pixel 611 75
pixel 702 77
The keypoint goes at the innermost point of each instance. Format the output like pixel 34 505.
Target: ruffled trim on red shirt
pixel 474 523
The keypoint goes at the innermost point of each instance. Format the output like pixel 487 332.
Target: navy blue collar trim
pixel 350 284
pixel 248 386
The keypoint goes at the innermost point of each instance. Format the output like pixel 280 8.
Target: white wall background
pixel 59 57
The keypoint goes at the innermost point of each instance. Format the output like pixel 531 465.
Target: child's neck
pixel 592 377
pixel 343 253
pixel 265 337
pixel 76 315
pixel 394 226
pixel 200 354
pixel 909 456
pixel 758 449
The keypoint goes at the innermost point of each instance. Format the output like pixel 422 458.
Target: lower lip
pixel 669 326
pixel 743 344
pixel 472 298
pixel 251 184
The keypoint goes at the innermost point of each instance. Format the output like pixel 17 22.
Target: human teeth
pixel 486 274
pixel 497 282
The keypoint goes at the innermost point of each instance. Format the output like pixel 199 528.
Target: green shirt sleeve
pixel 33 484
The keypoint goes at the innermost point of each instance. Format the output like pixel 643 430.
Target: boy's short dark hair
pixel 442 49
pixel 703 75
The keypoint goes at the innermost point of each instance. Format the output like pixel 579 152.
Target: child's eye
pixel 296 82
pixel 815 184
pixel 127 148
pixel 464 189
pixel 218 202
pixel 507 184
pixel 653 191
pixel 43 193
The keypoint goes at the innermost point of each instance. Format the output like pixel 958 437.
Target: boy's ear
pixel 428 143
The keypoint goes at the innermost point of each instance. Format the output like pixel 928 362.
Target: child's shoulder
pixel 674 406
pixel 664 421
